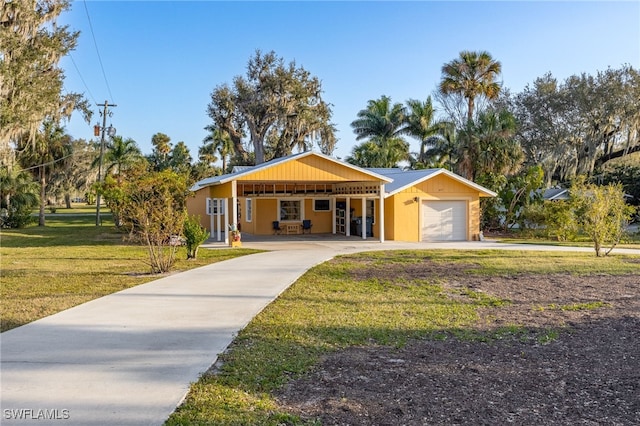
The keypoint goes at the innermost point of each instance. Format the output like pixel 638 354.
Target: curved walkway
pixel 130 357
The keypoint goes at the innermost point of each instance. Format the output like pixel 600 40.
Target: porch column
pixel 219 202
pixel 347 223
pixel 364 218
pixel 226 220
pixel 234 207
pixel 381 213
pixel 210 208
pixel 333 217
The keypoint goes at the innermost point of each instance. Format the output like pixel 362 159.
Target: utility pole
pixel 112 132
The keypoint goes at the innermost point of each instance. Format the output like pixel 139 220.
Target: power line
pixel 97 51
pixel 82 79
pixel 50 162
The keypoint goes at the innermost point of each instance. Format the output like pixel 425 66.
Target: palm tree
pixel 161 150
pixel 216 142
pixel 45 154
pixel 379 119
pixel 383 124
pixel 473 74
pixel 419 123
pixel 181 159
pixel 489 146
pixel 439 150
pixel 121 154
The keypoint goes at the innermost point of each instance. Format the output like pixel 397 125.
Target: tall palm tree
pixel 471 75
pixel 440 149
pixel 161 150
pixel 51 147
pixel 420 124
pixel 382 123
pixel 381 118
pixel 216 142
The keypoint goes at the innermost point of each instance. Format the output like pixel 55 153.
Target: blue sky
pixel 162 59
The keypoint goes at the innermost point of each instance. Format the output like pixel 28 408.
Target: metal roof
pixel 395 179
pixel 403 179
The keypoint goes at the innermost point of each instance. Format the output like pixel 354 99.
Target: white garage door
pixel 444 220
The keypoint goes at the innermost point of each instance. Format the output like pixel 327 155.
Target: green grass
pixel 587 306
pixel 363 299
pixel 631 240
pixel 511 262
pixel 76 208
pixel 71 261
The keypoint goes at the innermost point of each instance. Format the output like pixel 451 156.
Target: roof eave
pixel 265 166
pixel 484 192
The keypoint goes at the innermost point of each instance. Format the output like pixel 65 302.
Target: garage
pixel 444 220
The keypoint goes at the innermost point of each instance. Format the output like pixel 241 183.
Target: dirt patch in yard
pixel 568 352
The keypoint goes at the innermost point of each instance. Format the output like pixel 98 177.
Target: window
pixel 322 205
pixel 215 205
pixel 290 210
pixel 249 209
pixel 218 206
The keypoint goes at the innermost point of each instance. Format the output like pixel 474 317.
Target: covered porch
pixel 305 194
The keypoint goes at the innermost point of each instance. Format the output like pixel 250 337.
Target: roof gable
pixel 309 165
pixel 406 179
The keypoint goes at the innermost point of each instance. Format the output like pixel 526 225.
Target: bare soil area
pixel 573 359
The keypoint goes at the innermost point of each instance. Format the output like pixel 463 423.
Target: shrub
pixel 194 235
pixel 602 213
pixel 152 208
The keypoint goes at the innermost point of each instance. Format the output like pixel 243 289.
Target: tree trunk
pixel 67 200
pixel 43 184
pixel 258 149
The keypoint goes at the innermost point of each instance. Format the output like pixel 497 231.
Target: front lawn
pixel 71 261
pixel 388 300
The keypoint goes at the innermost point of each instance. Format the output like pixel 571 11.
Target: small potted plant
pixel 235 236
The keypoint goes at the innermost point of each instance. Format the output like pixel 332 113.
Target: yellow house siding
pixel 441 185
pixel 221 191
pixel 267 212
pixel 307 169
pixel 245 225
pixel 404 219
pixel 474 218
pixel 389 219
pixel 321 220
pixel 197 205
pixel 404 213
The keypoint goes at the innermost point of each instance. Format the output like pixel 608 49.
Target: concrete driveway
pixel 130 357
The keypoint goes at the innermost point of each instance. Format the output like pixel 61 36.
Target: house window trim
pixel 215 206
pixel 301 214
pixel 328 210
pixel 249 209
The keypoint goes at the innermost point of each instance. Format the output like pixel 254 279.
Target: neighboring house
pixel 416 205
pixel 555 194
